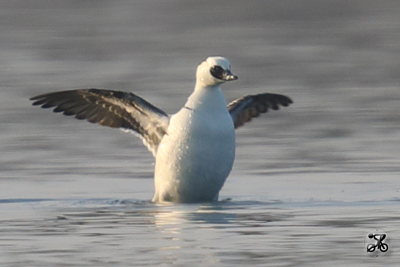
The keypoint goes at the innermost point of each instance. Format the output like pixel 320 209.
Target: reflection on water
pixel 111 232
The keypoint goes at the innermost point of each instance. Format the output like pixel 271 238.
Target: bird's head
pixel 214 71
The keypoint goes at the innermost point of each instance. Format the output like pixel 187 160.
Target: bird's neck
pixel 209 98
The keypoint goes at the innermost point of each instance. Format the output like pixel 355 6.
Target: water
pixel 309 182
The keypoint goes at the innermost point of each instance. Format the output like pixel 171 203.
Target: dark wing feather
pixel 244 109
pixel 114 109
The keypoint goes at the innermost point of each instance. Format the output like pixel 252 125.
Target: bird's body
pixel 196 156
pixel 194 148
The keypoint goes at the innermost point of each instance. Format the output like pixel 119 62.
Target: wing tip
pixel 288 101
pixel 37 100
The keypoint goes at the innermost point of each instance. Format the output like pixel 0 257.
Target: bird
pixel 194 149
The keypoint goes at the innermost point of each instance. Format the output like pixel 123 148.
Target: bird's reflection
pixel 176 217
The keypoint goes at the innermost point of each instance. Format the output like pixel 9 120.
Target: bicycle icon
pixel 379 245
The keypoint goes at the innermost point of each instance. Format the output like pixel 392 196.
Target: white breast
pixel 197 154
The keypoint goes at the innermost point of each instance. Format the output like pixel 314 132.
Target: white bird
pixel 194 148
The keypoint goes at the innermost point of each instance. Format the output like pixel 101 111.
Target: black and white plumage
pixel 194 148
pixel 114 109
pixel 244 109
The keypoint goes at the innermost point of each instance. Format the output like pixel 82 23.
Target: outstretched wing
pixel 114 109
pixel 244 109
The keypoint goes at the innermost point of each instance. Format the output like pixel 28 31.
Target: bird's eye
pixel 217 72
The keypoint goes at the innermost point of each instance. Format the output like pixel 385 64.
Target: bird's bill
pixel 228 76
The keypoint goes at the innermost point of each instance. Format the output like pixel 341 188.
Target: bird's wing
pixel 244 109
pixel 114 109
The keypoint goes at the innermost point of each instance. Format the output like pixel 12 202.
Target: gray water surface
pixel 309 181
